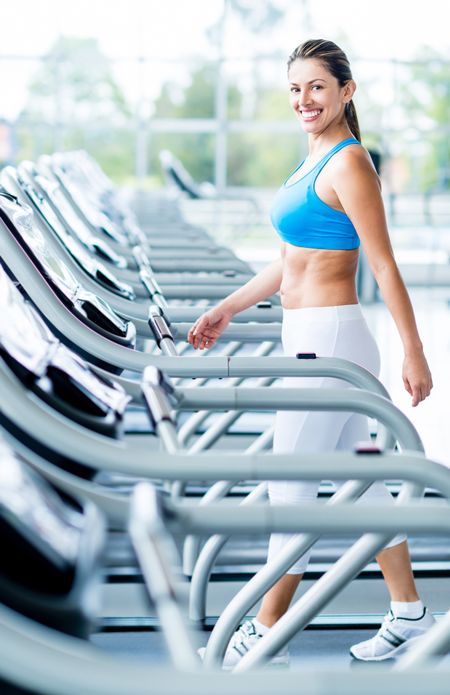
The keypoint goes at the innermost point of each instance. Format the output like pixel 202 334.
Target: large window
pixel 207 79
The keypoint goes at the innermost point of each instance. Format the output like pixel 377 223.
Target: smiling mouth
pixel 310 115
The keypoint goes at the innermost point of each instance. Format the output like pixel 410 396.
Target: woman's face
pixel 316 96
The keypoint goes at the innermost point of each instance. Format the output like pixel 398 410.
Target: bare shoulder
pixel 353 168
pixel 354 159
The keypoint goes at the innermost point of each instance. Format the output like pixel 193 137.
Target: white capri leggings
pixel 331 331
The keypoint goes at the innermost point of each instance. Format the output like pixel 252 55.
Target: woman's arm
pixel 262 285
pixel 211 325
pixel 358 189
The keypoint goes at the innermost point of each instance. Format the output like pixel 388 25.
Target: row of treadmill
pixel 133 470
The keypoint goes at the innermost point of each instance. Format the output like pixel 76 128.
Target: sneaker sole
pixel 390 655
pixel 276 662
pixel 270 664
pixel 281 663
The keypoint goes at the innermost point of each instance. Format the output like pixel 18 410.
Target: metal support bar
pixel 228 349
pixel 354 400
pixel 422 516
pixel 247 333
pixel 257 314
pixel 158 560
pixel 103 453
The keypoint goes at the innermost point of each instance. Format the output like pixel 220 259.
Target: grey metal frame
pixel 341 517
pixel 263 580
pixel 125 274
pixel 74 192
pixel 61 665
pixel 355 400
pixel 134 458
pixel 284 523
pixel 148 514
pixel 162 237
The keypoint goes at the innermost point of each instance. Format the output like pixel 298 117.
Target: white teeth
pixel 310 114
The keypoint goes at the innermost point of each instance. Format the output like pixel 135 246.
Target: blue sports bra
pixel 301 218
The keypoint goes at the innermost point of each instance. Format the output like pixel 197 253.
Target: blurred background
pixel 207 80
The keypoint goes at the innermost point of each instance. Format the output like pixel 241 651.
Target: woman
pixel 330 204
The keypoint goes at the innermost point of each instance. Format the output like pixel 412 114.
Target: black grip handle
pixel 159 325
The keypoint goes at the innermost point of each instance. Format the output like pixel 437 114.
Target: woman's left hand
pixel 417 377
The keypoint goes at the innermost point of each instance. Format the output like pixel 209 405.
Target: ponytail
pixel 352 119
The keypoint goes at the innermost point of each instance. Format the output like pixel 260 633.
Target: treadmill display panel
pixel 25 338
pixel 57 198
pixel 88 263
pixel 37 512
pixel 19 219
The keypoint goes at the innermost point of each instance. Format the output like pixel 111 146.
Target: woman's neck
pixel 319 145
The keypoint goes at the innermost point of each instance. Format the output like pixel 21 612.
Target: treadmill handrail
pixel 95 451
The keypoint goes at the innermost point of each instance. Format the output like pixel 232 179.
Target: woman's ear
pixel 349 90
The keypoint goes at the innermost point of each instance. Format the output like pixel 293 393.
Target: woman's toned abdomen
pixel 318 277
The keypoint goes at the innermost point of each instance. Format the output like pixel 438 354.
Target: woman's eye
pixel 317 86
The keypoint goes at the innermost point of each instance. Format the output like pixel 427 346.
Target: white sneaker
pixel 393 638
pixel 241 643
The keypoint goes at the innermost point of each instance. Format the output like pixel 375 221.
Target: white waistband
pixel 343 312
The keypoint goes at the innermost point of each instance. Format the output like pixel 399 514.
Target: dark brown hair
pixel 336 62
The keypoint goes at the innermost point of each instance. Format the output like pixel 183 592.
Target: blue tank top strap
pixel 336 148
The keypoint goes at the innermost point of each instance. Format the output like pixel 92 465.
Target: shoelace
pixel 246 630
pixel 388 634
pixel 388 618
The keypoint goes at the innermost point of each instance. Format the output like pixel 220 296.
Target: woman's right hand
pixel 208 327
